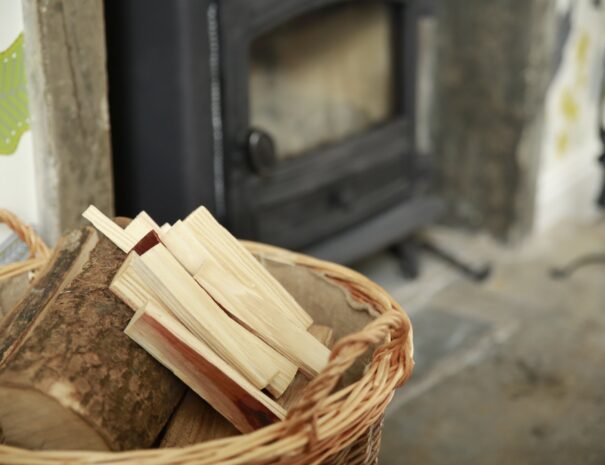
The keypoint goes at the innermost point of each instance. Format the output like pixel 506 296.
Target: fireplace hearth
pixel 292 120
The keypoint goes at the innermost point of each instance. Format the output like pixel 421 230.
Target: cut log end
pixel 56 427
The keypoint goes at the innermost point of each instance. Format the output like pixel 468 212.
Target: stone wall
pixel 495 60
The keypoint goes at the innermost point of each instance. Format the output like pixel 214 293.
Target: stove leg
pixel 476 273
pixel 406 253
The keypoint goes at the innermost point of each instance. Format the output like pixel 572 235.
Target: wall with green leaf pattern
pixel 14 113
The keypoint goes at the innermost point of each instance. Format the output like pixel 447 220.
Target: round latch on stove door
pixel 261 151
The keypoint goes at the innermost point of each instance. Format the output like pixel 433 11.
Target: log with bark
pixel 69 377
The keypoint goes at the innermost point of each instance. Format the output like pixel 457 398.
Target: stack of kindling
pixel 211 313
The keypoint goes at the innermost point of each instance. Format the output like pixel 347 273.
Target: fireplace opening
pixel 323 76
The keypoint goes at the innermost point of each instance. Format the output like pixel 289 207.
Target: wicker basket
pixel 334 422
pixel 38 251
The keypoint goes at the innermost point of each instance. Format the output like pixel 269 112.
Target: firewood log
pixel 176 290
pixel 70 255
pixel 70 378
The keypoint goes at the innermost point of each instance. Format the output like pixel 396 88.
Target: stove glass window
pixel 323 77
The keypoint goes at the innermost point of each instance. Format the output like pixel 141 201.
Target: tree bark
pixel 70 378
pixel 69 257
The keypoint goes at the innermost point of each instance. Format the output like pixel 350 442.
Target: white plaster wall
pixel 17 179
pixel 569 177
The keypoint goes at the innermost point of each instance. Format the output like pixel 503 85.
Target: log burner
pixel 292 120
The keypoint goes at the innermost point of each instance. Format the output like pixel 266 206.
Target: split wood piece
pixel 165 227
pixel 110 229
pixel 69 256
pixel 248 306
pixel 178 291
pixel 129 286
pixel 198 366
pixel 140 226
pixel 72 379
pixel 323 334
pixel 236 258
pixel 195 421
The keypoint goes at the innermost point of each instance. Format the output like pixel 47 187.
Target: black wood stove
pixel 292 120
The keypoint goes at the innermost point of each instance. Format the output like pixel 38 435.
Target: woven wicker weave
pixel 340 427
pixel 38 251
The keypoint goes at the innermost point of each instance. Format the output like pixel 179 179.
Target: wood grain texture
pixel 67 90
pixel 129 286
pixel 200 314
pixel 73 379
pixel 110 229
pixel 198 366
pixel 195 421
pixel 141 225
pixel 248 305
pixel 323 334
pixel 240 261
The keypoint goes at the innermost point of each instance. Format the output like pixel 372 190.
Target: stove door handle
pixel 261 151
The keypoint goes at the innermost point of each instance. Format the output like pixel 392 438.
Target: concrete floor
pixel 509 371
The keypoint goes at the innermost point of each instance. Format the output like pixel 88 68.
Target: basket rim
pixel 322 422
